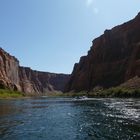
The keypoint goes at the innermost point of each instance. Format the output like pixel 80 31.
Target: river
pixel 68 119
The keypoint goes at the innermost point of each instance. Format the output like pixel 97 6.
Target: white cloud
pixel 92 4
pixel 89 2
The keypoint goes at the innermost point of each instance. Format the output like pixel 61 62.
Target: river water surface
pixel 68 119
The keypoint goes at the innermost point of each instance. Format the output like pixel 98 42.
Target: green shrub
pixel 4 93
pixel 117 92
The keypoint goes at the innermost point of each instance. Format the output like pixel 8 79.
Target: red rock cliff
pixel 8 71
pixel 41 82
pixel 14 77
pixel 113 59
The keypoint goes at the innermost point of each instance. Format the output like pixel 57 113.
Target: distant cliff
pixel 41 82
pixel 113 59
pixel 15 77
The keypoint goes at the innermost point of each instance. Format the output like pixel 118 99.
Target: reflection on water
pixel 5 108
pixel 65 118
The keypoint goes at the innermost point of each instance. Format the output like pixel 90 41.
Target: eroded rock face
pixel 113 59
pixel 14 77
pixel 41 82
pixel 8 71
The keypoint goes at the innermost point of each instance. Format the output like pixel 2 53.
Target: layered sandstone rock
pixel 41 82
pixel 14 77
pixel 113 59
pixel 8 71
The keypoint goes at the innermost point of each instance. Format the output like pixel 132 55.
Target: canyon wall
pixel 9 71
pixel 113 59
pixel 15 77
pixel 41 82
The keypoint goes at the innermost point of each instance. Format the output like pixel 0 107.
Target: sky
pixel 52 35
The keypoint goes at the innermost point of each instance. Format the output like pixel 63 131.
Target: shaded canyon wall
pixel 113 59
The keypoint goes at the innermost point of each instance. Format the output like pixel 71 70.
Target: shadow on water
pixel 8 109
